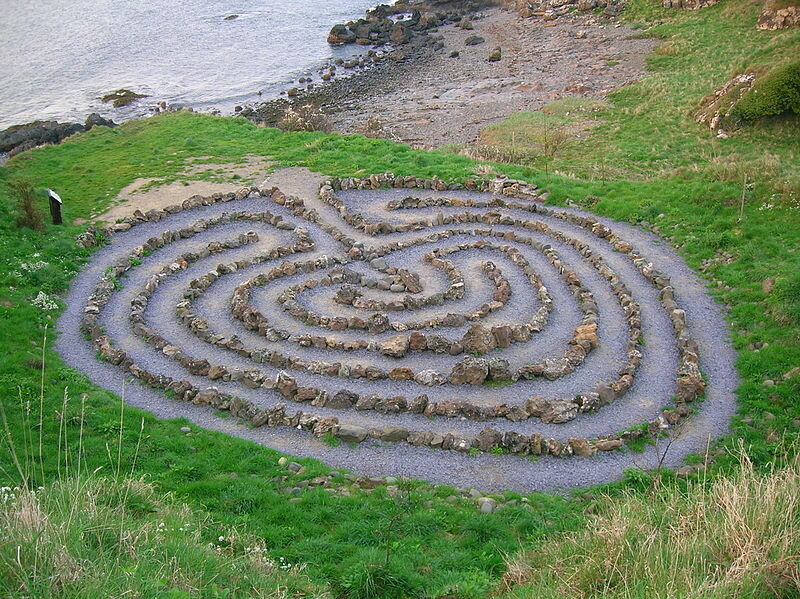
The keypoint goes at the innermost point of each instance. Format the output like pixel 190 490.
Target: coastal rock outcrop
pixel 778 16
pixel 24 137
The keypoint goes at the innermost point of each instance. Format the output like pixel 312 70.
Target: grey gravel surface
pixel 655 379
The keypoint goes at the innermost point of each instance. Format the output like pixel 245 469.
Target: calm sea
pixel 60 56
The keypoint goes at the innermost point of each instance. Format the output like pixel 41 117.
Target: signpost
pixel 55 206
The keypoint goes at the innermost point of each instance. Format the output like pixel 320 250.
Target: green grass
pixel 91 536
pixel 90 169
pixel 659 167
pixel 647 131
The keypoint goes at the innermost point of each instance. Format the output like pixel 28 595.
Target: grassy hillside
pixel 657 166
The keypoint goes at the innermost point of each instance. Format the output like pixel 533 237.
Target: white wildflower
pixel 45 302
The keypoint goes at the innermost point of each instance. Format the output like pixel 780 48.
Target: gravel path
pixel 653 388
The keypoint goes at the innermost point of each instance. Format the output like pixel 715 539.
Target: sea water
pixel 59 57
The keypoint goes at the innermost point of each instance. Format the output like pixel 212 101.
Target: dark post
pixel 55 206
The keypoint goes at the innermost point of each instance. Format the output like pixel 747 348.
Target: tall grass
pixel 93 536
pixel 738 536
pixel 80 533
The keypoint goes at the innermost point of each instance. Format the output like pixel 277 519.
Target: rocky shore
pixel 458 72
pixel 438 72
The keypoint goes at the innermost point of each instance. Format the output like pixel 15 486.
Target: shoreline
pixel 437 89
pixel 431 98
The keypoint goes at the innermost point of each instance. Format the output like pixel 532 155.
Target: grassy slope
pixel 446 547
pixel 91 536
pixel 439 547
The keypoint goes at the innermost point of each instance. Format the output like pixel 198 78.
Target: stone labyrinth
pixel 394 325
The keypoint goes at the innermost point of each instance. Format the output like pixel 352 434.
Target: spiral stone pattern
pixel 442 331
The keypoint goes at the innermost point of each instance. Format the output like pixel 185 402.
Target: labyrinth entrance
pixel 393 325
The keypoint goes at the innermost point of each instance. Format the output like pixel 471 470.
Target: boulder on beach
pixel 340 34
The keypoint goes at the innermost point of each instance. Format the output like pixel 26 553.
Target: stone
pixel 586 336
pixel 286 385
pixel 429 378
pixel 495 55
pixel 401 374
pixel 396 347
pixel 379 264
pixel 378 323
pixel 551 411
pixel 499 369
pixel 581 447
pixel 608 444
pixel 469 370
pixel 478 339
pixel 690 387
pixel 95 120
pixel 417 341
pixel 340 34
pixel 486 505
pixel 399 34
pixel 474 40
pixel 503 335
pixel 367 402
pixel 489 438
pixel 342 400
pixel 35 134
pixel 794 372
pixel 216 372
pixel 777 15
pixel 517 413
pixel 394 434
pixel 390 405
pixel 351 433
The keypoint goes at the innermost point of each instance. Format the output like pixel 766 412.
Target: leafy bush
pixel 773 94
pixel 28 215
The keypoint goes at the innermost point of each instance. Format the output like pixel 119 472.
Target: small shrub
pixel 28 214
pixel 379 582
pixel 775 93
pixel 375 128
pixel 308 117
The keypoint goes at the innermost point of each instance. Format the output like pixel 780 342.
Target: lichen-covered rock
pixel 396 347
pixel 429 378
pixel 478 339
pixel 774 16
pixel 342 400
pixel 469 370
pixel 551 411
pixel 499 370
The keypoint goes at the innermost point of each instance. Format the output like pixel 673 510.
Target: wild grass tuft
pixel 738 536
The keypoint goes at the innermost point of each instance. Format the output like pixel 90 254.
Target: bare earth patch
pixel 449 100
pixel 147 193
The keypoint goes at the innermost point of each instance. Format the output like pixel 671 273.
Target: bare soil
pixel 448 100
pixel 147 193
